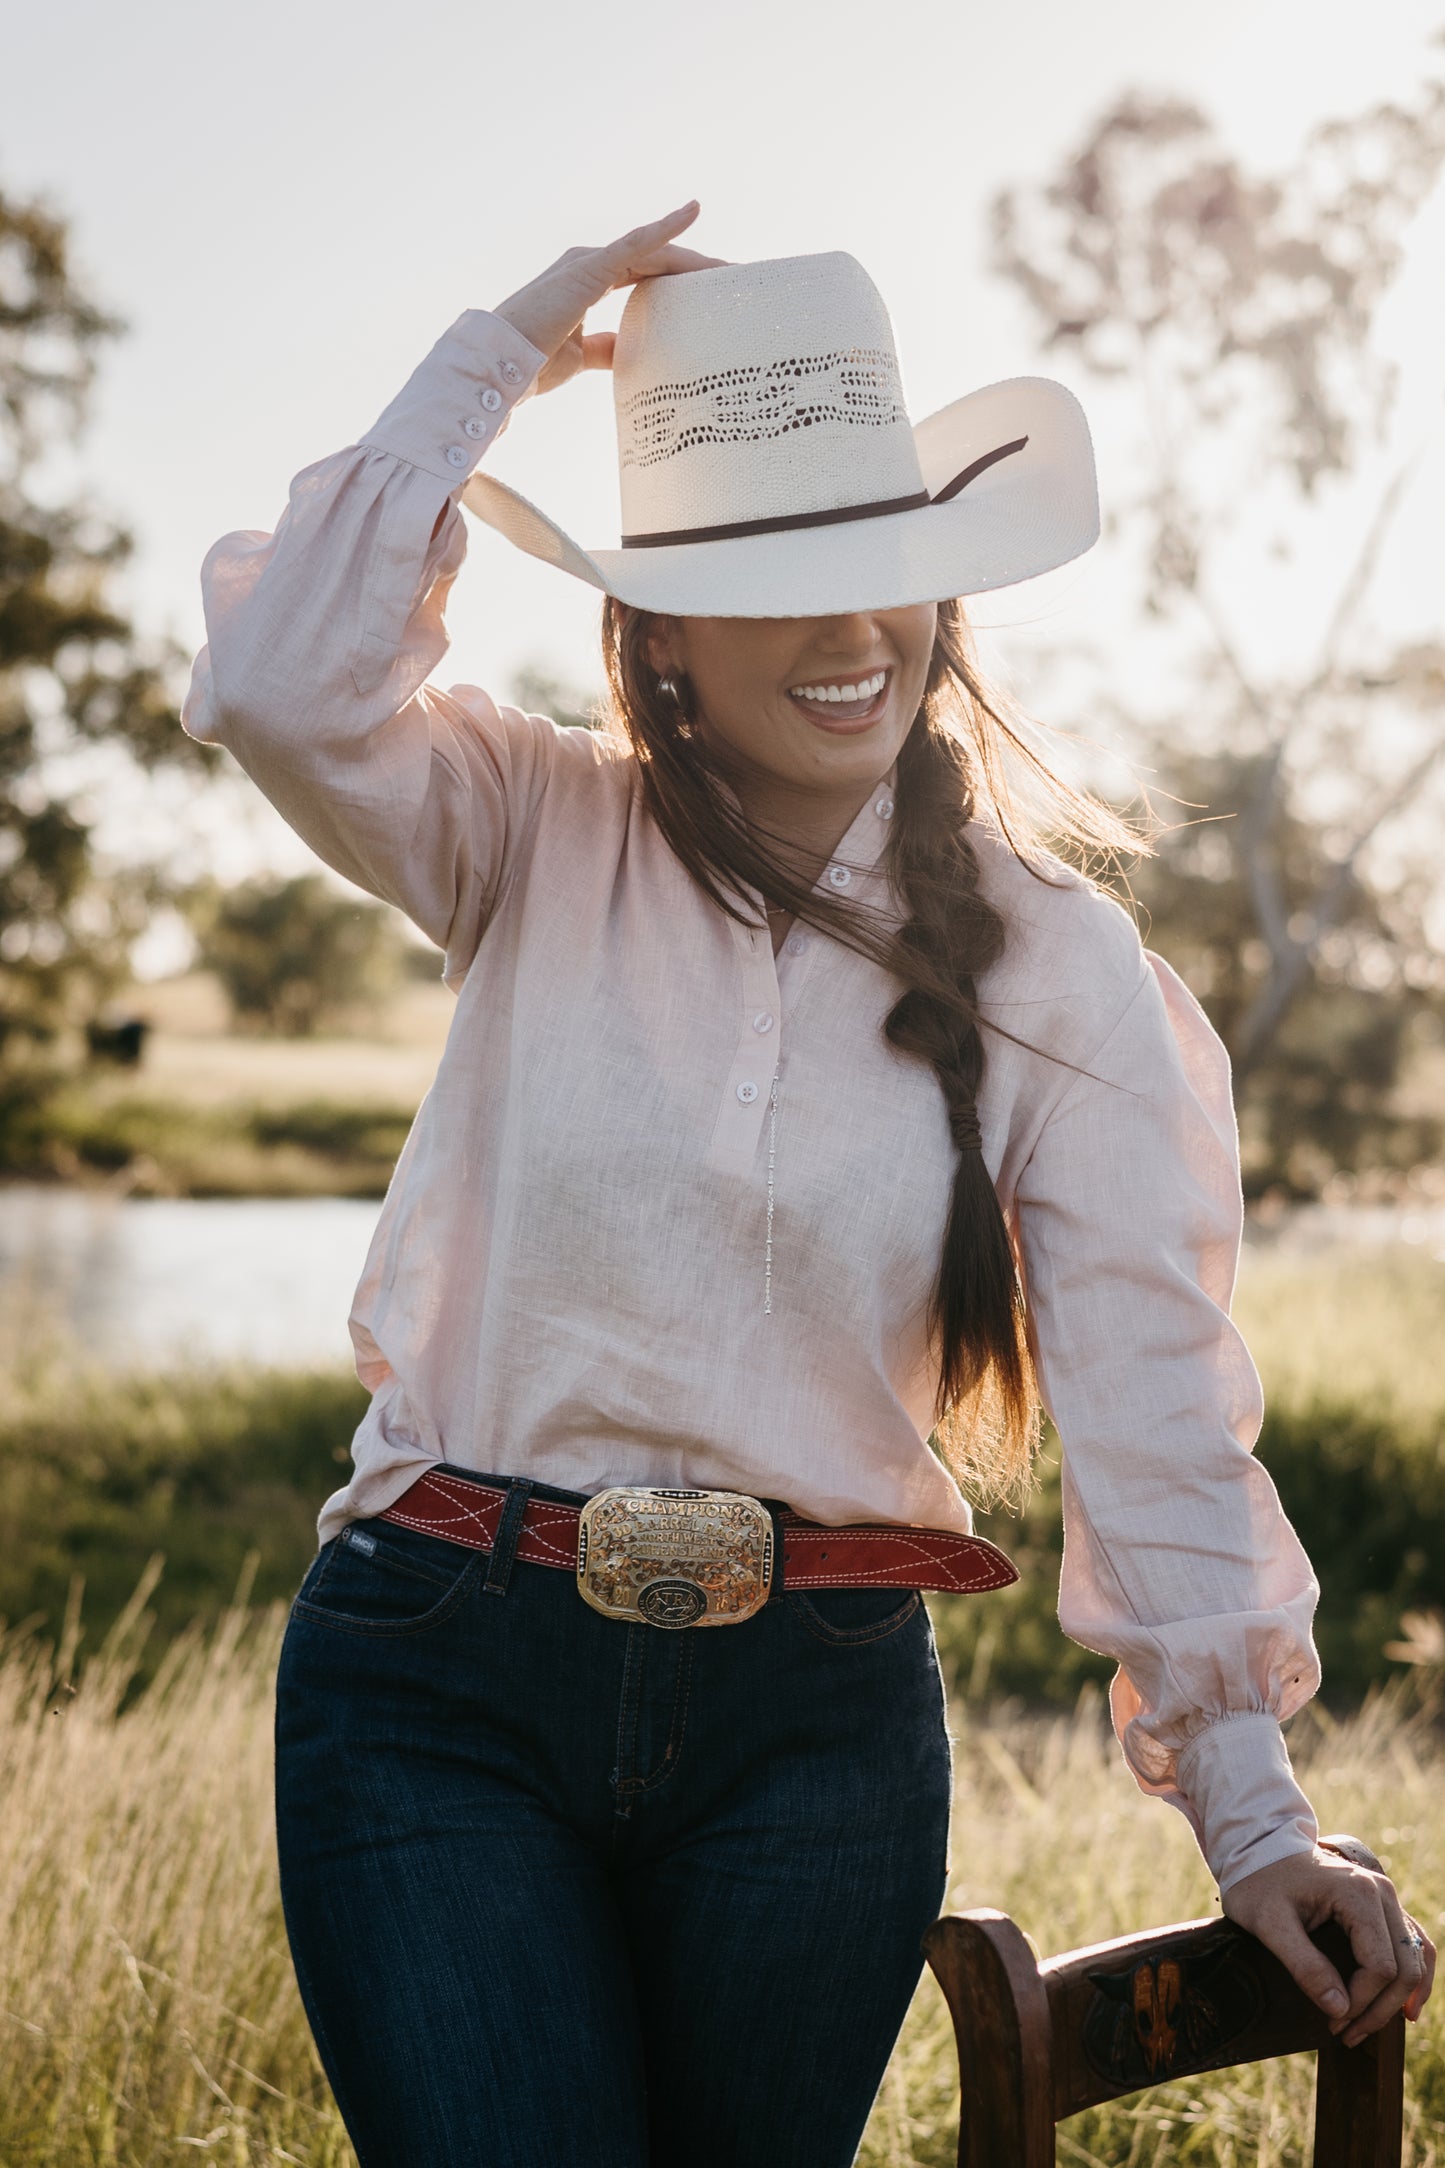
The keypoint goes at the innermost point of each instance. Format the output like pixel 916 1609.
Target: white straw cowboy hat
pixel 769 468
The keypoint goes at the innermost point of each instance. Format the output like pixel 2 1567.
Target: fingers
pixel 651 251
pixel 1309 1968
pixel 1283 1903
pixel 1413 1968
pixel 655 234
pixel 673 258
pixel 1420 1994
pixel 1360 1909
pixel 549 310
pixel 597 349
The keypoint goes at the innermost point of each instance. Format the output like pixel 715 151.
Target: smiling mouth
pixel 843 703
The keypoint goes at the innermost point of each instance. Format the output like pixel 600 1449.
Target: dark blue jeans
pixel 563 1890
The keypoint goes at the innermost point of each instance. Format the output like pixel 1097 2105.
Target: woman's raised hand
pixel 550 310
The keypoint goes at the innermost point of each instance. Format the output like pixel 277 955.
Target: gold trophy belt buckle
pixel 675 1557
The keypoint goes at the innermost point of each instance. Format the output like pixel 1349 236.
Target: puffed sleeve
pixel 1178 1560
pixel 321 637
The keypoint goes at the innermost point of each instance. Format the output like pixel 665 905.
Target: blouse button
pixel 884 809
pixel 473 427
pixel 456 457
pixel 511 372
pixel 839 877
pixel 491 399
pixel 763 1021
pixel 796 943
pixel 747 1093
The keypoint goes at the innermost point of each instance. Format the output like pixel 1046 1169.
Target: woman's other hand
pixel 549 311
pixel 1283 1904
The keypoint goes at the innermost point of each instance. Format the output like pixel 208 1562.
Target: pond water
pixel 147 1280
pixel 141 1281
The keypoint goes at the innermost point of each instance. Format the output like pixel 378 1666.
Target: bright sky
pixel 289 199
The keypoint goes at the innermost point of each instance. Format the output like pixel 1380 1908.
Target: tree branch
pixel 1357 581
pixel 1291 959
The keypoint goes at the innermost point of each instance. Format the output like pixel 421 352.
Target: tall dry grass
pixel 1048 1828
pixel 148 2012
pixel 147 2007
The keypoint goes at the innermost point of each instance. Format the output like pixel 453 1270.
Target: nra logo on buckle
pixel 675 1558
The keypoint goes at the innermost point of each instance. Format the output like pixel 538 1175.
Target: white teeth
pixel 868 690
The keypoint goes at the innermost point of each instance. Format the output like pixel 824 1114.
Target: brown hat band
pixel 830 518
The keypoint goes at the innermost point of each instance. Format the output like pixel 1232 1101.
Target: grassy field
pixel 98 1473
pixel 147 2008
pixel 215 1113
pixel 149 2012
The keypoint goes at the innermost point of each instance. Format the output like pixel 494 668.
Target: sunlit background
pixel 288 202
pixel 211 1049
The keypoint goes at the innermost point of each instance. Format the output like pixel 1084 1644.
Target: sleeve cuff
pixel 460 399
pixel 1236 1786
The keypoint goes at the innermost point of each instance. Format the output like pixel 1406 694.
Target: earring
pixel 669 690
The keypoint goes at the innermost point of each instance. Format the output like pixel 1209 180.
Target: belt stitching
pixel 457 1493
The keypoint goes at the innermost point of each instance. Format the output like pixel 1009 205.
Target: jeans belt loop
pixel 776 1512
pixel 509 1530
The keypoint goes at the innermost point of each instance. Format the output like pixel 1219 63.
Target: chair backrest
pixel 1038 2042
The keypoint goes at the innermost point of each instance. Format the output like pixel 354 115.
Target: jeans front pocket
pixel 853 1617
pixel 375 1578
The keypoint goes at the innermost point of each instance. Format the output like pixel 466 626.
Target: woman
pixel 797 1104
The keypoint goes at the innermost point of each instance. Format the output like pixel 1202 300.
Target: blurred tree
pixel 73 671
pixel 297 955
pixel 1238 313
pixel 538 692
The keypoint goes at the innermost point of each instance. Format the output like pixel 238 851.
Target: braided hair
pixel 954 767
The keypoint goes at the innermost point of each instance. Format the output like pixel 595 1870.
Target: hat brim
pixel 1023 516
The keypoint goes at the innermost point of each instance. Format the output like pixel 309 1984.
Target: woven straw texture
pixel 769 391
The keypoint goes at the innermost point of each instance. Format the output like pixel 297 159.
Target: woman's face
pixel 817 704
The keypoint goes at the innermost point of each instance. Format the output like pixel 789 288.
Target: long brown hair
pixel 964 759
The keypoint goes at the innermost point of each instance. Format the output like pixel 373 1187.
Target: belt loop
pixel 775 1513
pixel 509 1530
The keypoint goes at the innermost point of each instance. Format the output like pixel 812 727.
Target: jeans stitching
pixel 683 1690
pixel 629 1702
pixel 813 1622
pixel 348 1622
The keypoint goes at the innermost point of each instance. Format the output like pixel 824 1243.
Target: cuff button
pixel 511 372
pixel 491 399
pixel 456 457
pixel 474 428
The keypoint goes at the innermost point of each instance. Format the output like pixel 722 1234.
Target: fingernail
pixel 1335 2001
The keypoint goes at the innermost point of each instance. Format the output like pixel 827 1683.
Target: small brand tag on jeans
pixel 362 1540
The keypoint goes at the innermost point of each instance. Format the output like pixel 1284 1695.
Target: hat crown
pixel 758 392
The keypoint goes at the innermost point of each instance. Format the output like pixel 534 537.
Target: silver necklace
pixel 772 1158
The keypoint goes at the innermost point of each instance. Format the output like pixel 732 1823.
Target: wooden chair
pixel 1038 2042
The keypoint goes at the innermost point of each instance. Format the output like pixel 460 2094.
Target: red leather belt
pixel 861 1555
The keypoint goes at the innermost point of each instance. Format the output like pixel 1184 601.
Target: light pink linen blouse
pixel 567 1280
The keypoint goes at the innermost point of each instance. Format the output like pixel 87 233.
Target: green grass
pixel 1362 1327
pixel 97 1473
pixel 176 1148
pixel 148 2010
pixel 147 2007
pixel 207 1469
